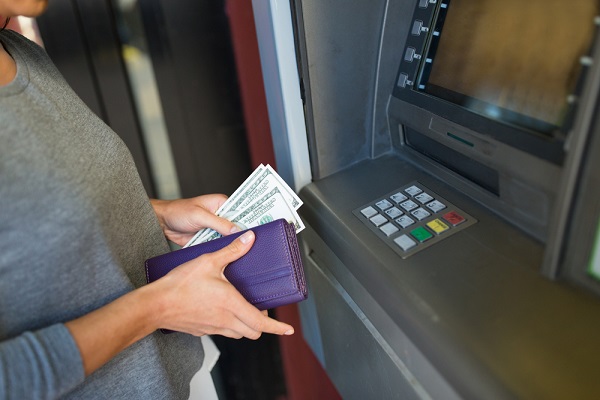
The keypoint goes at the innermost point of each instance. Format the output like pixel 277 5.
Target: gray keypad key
pixel 405 242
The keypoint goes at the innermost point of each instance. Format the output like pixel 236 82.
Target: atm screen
pixel 518 62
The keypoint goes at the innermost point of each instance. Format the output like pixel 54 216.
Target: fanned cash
pixel 263 197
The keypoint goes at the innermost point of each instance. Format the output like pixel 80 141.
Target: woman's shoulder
pixel 18 45
pixel 15 38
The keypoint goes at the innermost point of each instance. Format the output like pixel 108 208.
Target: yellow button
pixel 437 226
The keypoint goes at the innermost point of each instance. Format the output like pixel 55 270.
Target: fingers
pixel 205 302
pixel 221 225
pixel 253 326
pixel 266 324
pixel 256 321
pixel 238 319
pixel 210 204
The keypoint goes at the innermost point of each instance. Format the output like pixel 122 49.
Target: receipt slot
pixel 450 199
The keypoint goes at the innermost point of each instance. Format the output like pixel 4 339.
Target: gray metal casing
pixel 471 316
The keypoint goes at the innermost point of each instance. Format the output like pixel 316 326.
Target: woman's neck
pixel 8 67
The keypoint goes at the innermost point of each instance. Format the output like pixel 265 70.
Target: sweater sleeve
pixel 43 364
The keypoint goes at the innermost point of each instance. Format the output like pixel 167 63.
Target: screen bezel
pixel 547 143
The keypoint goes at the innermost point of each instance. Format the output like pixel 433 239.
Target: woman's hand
pixel 196 298
pixel 181 219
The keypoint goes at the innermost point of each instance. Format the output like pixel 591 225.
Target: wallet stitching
pixel 291 268
pixel 299 278
pixel 295 286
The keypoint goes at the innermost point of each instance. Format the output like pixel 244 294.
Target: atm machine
pixel 448 156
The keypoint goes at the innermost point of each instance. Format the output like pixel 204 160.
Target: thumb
pixel 233 251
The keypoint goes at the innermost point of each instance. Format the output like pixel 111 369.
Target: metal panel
pixel 339 45
pixel 475 304
pixel 356 357
pixel 397 368
pixel 278 59
pixel 583 221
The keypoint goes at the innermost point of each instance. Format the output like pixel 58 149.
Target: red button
pixel 454 218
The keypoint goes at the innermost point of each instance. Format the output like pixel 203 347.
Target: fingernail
pixel 290 332
pixel 246 237
pixel 234 229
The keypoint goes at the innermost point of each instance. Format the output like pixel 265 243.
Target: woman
pixel 76 319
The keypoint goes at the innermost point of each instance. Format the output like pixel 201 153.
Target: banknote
pixel 243 188
pixel 226 206
pixel 268 208
pixel 264 182
pixel 271 207
pixel 264 196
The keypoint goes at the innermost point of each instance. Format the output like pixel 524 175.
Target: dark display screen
pixel 515 61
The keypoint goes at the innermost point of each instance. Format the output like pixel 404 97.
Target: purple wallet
pixel 268 276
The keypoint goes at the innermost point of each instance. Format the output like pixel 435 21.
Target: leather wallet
pixel 269 275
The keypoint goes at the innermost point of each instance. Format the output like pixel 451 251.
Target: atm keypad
pixel 412 218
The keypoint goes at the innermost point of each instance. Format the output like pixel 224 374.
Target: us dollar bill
pixel 270 207
pixel 225 207
pixel 265 182
pixel 241 190
pixel 264 196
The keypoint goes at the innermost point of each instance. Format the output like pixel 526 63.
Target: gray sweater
pixel 75 228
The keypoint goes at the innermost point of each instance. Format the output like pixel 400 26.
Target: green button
pixel 421 234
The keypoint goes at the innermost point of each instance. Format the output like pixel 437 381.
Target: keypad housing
pixel 413 218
